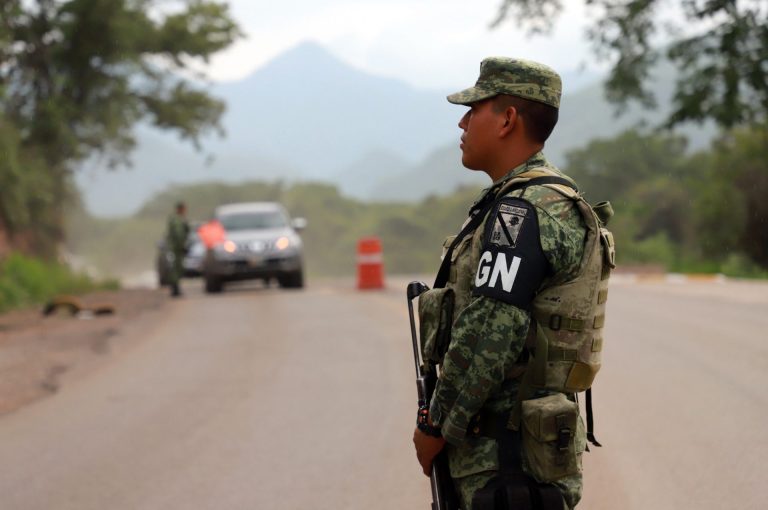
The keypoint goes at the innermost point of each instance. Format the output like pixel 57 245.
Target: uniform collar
pixel 535 161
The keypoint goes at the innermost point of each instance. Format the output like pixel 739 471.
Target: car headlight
pixel 229 246
pixel 282 243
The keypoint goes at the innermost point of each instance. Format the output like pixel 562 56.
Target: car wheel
pixel 213 284
pixel 294 280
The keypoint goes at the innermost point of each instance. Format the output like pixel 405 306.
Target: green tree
pixel 719 48
pixel 647 178
pixel 77 75
pixel 731 207
pixel 678 208
pixel 608 168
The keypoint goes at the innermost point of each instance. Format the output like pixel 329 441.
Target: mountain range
pixel 306 115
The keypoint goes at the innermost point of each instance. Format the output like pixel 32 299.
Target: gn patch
pixel 495 271
pixel 512 263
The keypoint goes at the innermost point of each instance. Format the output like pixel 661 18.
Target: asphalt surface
pixel 269 399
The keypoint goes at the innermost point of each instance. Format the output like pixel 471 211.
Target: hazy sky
pixel 428 43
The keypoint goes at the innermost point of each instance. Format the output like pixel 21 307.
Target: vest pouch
pixel 551 437
pixel 604 211
pixel 435 321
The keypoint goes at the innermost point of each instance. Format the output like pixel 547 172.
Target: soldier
pixel 529 235
pixel 176 241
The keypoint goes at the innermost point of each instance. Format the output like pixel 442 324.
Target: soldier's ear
pixel 509 121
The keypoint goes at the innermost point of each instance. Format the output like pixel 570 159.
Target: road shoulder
pixel 40 354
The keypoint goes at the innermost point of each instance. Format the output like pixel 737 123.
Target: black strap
pixel 445 266
pixel 510 453
pixel 590 420
pixel 512 489
pixel 478 213
pixel 494 426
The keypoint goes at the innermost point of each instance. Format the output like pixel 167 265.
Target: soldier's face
pixel 480 126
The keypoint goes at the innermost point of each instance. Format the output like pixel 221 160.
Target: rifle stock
pixel 443 493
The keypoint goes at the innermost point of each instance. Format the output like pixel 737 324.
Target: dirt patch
pixel 36 352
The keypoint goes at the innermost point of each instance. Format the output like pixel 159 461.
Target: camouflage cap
pixel 516 77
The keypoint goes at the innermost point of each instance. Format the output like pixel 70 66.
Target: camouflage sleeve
pixel 561 230
pixel 487 337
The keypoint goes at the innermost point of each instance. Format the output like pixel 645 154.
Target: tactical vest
pixel 565 338
pixel 570 316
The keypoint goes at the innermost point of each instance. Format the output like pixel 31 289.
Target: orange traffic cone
pixel 370 264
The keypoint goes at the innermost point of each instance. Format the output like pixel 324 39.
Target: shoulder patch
pixel 507 225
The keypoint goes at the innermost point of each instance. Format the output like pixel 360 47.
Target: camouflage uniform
pixel 176 240
pixel 481 371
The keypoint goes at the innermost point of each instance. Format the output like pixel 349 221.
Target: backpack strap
pixel 591 421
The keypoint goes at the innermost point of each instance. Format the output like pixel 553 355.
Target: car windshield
pixel 253 220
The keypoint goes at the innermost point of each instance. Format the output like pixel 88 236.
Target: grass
pixel 27 281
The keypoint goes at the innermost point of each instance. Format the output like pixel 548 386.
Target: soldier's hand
pixel 427 447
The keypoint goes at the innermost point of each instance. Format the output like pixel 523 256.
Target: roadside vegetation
pixel 697 213
pixel 27 281
pixel 76 76
pixel 701 213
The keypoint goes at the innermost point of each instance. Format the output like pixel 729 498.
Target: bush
pixel 26 281
pixel 657 249
pixel 740 266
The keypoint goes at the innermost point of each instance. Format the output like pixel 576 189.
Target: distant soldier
pixel 176 240
pixel 517 310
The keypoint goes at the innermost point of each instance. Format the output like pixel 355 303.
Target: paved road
pixel 266 399
pixel 682 407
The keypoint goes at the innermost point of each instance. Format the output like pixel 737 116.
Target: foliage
pixel 607 167
pixel 77 75
pixel 704 211
pixel 719 48
pixel 26 194
pixel 741 266
pixel 733 211
pixel 26 281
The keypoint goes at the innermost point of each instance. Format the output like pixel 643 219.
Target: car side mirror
pixel 299 224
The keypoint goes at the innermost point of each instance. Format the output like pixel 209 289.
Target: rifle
pixel 443 493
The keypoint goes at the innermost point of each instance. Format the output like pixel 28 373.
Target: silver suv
pixel 261 243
